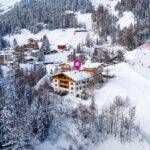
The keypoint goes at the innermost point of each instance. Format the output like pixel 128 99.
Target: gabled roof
pixel 93 65
pixel 76 75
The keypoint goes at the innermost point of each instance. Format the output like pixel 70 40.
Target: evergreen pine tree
pixel 45 45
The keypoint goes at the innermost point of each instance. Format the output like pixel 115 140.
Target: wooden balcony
pixel 63 79
pixel 64 84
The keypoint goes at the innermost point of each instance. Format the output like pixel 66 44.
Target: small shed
pixel 62 46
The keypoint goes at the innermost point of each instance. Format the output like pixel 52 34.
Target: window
pixel 55 84
pixel 72 88
pixel 55 80
pixel 77 95
pixel 76 83
pixel 77 88
pixel 71 83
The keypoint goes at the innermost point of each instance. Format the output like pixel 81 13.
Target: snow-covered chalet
pixel 72 82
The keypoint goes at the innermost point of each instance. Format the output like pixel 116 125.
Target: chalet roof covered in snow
pixel 89 64
pixel 76 75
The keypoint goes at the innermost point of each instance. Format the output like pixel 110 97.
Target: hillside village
pixel 77 80
pixel 94 60
pixel 63 77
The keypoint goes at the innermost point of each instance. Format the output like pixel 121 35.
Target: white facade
pixel 8 55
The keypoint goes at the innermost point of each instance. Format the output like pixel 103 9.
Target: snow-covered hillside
pixel 112 144
pixel 131 80
pixel 6 5
pixel 55 37
pixel 116 145
pixel 109 4
pixel 124 21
